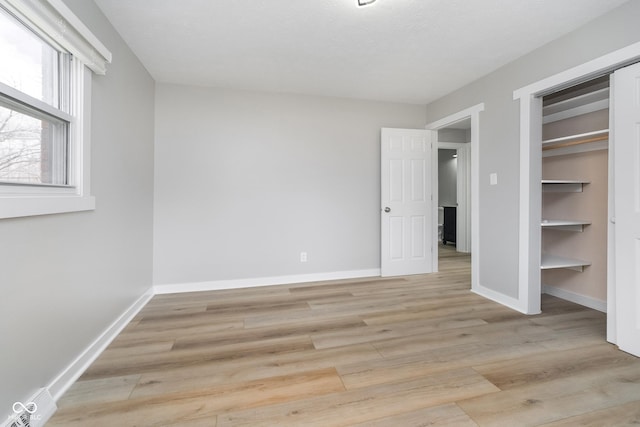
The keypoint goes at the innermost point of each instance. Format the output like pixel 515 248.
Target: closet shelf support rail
pixel 568 141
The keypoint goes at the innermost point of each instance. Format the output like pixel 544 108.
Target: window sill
pixel 15 207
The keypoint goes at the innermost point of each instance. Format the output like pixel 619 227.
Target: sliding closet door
pixel 626 104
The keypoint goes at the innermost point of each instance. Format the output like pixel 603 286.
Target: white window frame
pixel 56 24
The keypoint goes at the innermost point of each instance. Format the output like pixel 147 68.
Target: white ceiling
pixel 394 50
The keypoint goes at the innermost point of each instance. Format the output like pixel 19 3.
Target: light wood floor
pixel 413 351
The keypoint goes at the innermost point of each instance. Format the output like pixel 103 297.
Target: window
pixel 34 143
pixel 45 52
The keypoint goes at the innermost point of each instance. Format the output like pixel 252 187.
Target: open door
pixel 406 211
pixel 626 130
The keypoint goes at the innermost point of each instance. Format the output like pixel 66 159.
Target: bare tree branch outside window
pixel 20 147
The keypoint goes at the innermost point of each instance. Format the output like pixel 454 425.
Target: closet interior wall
pixel 575 148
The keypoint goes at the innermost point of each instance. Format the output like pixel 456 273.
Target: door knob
pixel 387 209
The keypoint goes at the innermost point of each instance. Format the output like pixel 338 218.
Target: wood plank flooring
pixel 411 351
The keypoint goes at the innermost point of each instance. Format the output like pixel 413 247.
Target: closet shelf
pixel 564 181
pixel 549 262
pixel 576 106
pixel 562 186
pixel 564 224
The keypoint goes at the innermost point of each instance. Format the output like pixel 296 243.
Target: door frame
pixel 472 113
pixel 529 97
pixel 463 178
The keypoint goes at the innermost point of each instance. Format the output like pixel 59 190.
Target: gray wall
pixel 499 132
pixel 245 181
pixel 65 278
pixel 447 178
pixel 454 135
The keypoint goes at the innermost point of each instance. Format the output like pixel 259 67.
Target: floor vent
pixel 34 412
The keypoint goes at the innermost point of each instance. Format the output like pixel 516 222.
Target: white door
pixel 406 246
pixel 626 131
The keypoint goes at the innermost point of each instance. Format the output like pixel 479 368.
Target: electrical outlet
pixel 303 257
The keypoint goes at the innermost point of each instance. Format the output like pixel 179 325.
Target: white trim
pixel 503 299
pixel 474 113
pixel 476 256
pixel 609 62
pixel 529 277
pixel 612 321
pixel 32 206
pixel 71 373
pixel 217 285
pixel 435 198
pixel 53 20
pixel 584 300
pixel 530 175
pixel 456 117
pixel 523 232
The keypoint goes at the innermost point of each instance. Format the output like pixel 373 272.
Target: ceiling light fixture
pixel 365 2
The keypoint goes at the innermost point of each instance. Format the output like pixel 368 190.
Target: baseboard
pixel 33 412
pixel 586 301
pixel 70 374
pixel 499 298
pixel 217 285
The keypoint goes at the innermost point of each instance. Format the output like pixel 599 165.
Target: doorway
pixel 574 232
pixel 469 121
pixel 454 186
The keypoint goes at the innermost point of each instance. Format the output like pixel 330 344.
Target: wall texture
pixel 499 132
pixel 245 181
pixel 454 135
pixel 65 278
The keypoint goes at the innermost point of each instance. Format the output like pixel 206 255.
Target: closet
pixel 575 193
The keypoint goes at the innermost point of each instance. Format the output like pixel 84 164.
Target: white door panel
pixel 406 202
pixel 626 131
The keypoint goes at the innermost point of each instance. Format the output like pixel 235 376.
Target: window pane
pixel 28 63
pixel 33 150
